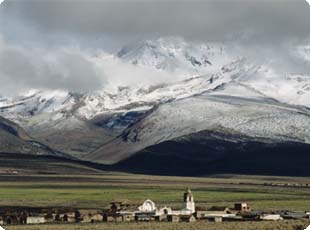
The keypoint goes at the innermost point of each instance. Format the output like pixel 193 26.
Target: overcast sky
pixel 36 28
pixel 203 20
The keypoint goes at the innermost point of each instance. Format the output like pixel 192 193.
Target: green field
pixel 97 191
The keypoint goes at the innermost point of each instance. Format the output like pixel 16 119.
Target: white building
pixel 271 217
pixel 189 204
pixel 147 206
pixel 36 220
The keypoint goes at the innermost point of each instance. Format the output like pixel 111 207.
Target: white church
pixel 188 208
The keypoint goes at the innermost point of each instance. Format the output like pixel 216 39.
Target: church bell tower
pixel 189 203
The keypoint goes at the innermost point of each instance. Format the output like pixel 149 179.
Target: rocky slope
pixel 255 117
pixel 13 139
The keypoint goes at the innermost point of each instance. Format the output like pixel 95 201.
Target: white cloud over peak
pixel 52 44
pixel 63 68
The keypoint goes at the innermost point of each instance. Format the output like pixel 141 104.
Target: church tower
pixel 189 203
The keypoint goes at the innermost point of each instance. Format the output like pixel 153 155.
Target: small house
pixel 112 218
pixel 173 218
pixel 213 211
pixel 118 219
pixel 96 218
pixel 127 217
pixel 144 217
pixel 216 219
pixel 294 215
pixel 49 217
pixel 36 220
pixel 164 211
pixel 12 219
pixel 219 210
pixel 68 217
pixel 93 218
pixel 108 219
pixel 161 218
pixel 23 218
pixel 187 218
pixel 124 205
pixel 242 207
pixel 271 217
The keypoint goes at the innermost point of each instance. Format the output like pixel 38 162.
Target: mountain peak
pixel 173 54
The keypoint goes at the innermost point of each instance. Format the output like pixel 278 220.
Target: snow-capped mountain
pixel 145 97
pixel 37 102
pixel 254 117
pixel 190 63
pixel 175 55
pixel 58 109
pixel 213 90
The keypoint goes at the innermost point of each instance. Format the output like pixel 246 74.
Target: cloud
pixel 50 44
pixel 200 20
pixel 120 73
pixel 67 68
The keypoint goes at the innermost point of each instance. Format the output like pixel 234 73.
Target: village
pixel 129 211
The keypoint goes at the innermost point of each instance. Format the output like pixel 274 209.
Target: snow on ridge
pixel 36 102
pixel 176 55
pixel 191 68
pixel 252 118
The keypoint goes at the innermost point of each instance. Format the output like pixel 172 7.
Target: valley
pixel 73 186
pixel 150 114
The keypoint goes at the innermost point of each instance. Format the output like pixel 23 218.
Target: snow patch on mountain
pixel 145 97
pixel 258 119
pixel 158 71
pixel 250 117
pixel 34 103
pixel 177 56
pixel 289 88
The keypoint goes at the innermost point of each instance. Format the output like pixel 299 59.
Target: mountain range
pixel 220 105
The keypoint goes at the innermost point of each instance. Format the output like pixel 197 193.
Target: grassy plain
pixel 27 181
pixel 96 191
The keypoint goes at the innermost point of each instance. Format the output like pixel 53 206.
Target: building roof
pixel 218 208
pixel 186 217
pixel 200 209
pixel 127 202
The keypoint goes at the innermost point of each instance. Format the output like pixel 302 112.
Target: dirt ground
pixel 277 225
